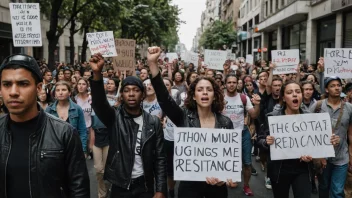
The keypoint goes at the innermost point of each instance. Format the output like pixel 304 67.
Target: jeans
pixel 332 181
pixel 136 190
pixel 246 147
pixel 301 186
pixel 193 189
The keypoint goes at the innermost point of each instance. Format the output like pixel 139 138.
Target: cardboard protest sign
pixel 338 62
pixel 25 21
pixel 230 55
pixel 286 61
pixel 172 56
pixel 102 42
pixel 124 60
pixel 301 134
pixel 192 58
pixel 215 59
pixel 201 153
pixel 249 59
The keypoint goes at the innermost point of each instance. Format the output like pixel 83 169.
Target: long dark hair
pixel 315 94
pixel 218 104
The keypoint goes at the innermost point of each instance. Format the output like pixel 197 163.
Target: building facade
pixel 62 53
pixel 309 26
pixel 249 39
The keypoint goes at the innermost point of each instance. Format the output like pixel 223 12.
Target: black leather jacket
pixel 57 164
pixel 123 136
pixel 182 117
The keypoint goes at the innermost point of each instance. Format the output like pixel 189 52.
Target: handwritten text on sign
pixel 302 134
pixel 25 21
pixel 102 42
pixel 201 153
pixel 125 49
pixel 215 59
pixel 286 61
pixel 338 62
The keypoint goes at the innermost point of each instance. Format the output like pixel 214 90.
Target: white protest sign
pixel 249 59
pixel 201 153
pixel 172 57
pixel 230 55
pixel 286 61
pixel 102 42
pixel 302 134
pixel 25 21
pixel 338 62
pixel 192 58
pixel 215 59
pixel 183 55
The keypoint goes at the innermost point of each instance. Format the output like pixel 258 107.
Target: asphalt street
pixel 256 184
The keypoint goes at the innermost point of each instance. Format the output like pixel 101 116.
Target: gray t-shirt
pixel 137 170
pixel 341 151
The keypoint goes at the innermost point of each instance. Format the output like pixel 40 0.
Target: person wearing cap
pixel 334 169
pixel 136 162
pixel 41 156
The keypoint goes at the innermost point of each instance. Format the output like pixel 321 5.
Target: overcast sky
pixel 191 13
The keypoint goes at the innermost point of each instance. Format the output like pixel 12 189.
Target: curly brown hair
pixel 218 104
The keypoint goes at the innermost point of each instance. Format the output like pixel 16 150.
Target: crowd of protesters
pixel 126 119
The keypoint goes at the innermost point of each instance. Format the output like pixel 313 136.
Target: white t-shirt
pixel 137 170
pixel 169 130
pixel 235 111
pixel 87 109
pixel 152 108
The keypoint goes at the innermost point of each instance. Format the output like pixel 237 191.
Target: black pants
pixel 301 186
pixel 191 189
pixel 137 189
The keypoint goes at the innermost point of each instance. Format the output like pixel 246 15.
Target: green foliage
pixel 218 34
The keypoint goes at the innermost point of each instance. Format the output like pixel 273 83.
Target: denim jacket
pixel 76 119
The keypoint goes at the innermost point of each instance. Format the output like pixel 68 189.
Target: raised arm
pixel 167 104
pixel 100 104
pixel 270 78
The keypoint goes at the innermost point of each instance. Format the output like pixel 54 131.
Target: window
pixel 266 9
pixel 347 40
pixel 282 3
pixel 250 46
pixel 250 24
pixel 271 6
pixel 67 55
pixel 256 20
pixel 276 5
pixel 326 35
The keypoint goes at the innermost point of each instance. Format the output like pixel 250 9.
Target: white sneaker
pixel 268 183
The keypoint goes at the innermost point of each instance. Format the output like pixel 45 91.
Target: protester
pixel 294 173
pixel 46 157
pixel 65 109
pixel 204 104
pixel 136 159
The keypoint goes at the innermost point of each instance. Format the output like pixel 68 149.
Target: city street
pixel 256 183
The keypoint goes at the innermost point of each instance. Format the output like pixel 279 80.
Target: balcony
pixel 340 4
pixel 294 11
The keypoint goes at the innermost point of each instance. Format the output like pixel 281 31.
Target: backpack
pixel 318 106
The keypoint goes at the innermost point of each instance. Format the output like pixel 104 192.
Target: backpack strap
pixel 318 106
pixel 244 102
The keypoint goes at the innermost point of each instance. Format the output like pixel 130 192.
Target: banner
pixel 302 134
pixel 286 61
pixel 230 55
pixel 124 60
pixel 338 62
pixel 215 59
pixel 172 56
pixel 201 153
pixel 25 21
pixel 249 59
pixel 102 42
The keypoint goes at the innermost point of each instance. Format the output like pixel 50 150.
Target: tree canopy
pixel 217 35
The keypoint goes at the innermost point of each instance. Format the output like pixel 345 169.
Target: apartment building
pixel 249 39
pixel 307 25
pixel 62 53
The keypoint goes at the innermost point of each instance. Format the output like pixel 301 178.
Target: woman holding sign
pixel 204 104
pixel 294 173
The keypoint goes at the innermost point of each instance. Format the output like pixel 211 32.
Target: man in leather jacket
pixel 41 156
pixel 136 158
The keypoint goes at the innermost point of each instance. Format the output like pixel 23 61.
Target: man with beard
pixel 110 72
pixel 136 162
pixel 236 110
pixel 334 170
pixel 150 103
